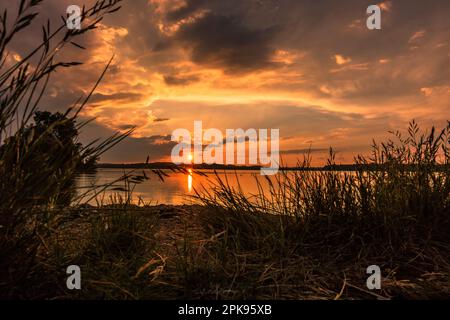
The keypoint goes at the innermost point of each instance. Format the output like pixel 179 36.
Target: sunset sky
pixel 309 68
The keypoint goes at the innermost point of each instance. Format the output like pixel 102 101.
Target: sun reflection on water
pixel 190 178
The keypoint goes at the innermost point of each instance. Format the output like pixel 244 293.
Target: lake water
pixel 176 189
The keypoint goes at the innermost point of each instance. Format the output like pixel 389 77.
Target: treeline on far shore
pixel 204 166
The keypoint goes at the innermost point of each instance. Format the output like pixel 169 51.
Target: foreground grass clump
pixel 315 233
pixel 40 154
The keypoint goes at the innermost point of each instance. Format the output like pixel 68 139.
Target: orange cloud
pixel 386 5
pixel 340 60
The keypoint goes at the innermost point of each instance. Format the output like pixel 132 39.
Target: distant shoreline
pixel 169 165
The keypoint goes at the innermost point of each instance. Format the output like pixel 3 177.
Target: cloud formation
pixel 310 68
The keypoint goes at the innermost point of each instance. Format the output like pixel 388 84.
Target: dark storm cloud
pixel 323 29
pixel 161 119
pixel 125 126
pixel 224 41
pixel 159 139
pixel 162 45
pixel 190 7
pixel 177 80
